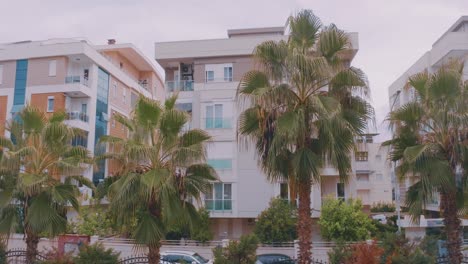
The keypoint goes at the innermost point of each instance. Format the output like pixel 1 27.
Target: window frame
pixel 206 76
pixel 52 68
pixel 50 104
pixel 230 74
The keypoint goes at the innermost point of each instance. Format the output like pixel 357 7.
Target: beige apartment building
pixel 206 74
pixel 89 82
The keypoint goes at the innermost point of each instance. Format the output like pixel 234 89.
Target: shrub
pixel 237 252
pixel 3 250
pixel 96 254
pixel 93 221
pixel 344 221
pixel 382 229
pixel 202 231
pixel 364 253
pixel 53 256
pixel 339 254
pixel 277 223
pixel 382 207
pixel 398 250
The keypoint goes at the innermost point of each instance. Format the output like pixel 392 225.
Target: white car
pixel 381 218
pixel 185 257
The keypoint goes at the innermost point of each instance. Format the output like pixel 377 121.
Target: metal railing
pixel 219 80
pixel 174 86
pixel 218 205
pixel 76 79
pixel 78 116
pixel 218 123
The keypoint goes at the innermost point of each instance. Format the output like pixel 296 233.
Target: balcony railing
pixel 218 204
pixel 218 123
pixel 220 164
pixel 184 86
pixel 219 80
pixel 78 116
pixel 76 79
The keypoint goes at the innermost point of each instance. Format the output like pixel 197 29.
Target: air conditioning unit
pixel 186 69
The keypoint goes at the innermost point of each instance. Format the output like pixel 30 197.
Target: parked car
pixel 381 218
pixel 274 259
pixel 185 257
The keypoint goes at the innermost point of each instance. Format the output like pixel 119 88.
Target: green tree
pixel 344 221
pixel 96 254
pixel 304 105
pixel 237 252
pixel 430 145
pixel 93 220
pixel 161 168
pixel 277 223
pixel 39 169
pixel 202 232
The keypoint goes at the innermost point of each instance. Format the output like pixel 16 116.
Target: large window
pixel 214 117
pixel 362 156
pixel 219 197
pixel 340 190
pixel 50 104
pixel 228 74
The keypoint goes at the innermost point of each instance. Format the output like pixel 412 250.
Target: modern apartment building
pixel 206 74
pixel 453 44
pixel 89 82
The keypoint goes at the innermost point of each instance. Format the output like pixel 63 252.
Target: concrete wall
pixel 9 73
pixel 38 71
pixel 3 113
pixel 40 101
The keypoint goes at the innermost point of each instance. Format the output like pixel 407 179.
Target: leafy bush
pixel 415 257
pixel 382 229
pixel 3 250
pixel 398 250
pixel 53 256
pixel 339 254
pixel 344 221
pixel 277 223
pixel 93 221
pixel 96 254
pixel 382 207
pixel 202 231
pixel 364 253
pixel 237 252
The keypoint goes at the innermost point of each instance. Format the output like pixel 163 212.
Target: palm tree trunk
pixel 153 254
pixel 448 208
pixel 32 240
pixel 304 224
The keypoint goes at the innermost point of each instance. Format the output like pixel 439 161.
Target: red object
pixel 71 243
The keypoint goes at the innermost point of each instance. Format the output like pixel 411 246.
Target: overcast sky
pixel 393 34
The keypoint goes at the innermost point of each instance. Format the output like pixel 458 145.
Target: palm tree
pixel 304 106
pixel 39 173
pixel 161 169
pixel 431 145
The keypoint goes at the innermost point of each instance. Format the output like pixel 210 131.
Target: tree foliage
pixel 277 223
pixel 96 254
pixel 237 252
pixel 344 221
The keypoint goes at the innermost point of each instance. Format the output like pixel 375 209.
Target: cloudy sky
pixel 393 34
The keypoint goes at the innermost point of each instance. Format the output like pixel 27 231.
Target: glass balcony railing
pixel 218 204
pixel 220 164
pixel 76 79
pixel 218 123
pixel 184 86
pixel 78 116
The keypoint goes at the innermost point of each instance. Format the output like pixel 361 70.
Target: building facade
pixel 453 44
pixel 205 74
pixel 89 82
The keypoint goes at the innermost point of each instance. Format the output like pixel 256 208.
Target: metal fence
pixel 18 256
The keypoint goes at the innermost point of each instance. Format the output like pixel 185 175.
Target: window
pixel 228 74
pixel 284 191
pixel 1 74
pixel 362 177
pixel 361 156
pixel 214 117
pixel 219 197
pixel 52 68
pixel 369 139
pixel 209 76
pixel 340 190
pixel 220 164
pixel 50 104
pixel 84 108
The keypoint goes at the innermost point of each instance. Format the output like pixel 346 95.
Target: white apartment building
pixel 453 44
pixel 89 82
pixel 206 74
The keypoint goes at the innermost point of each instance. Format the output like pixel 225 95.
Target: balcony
pixel 75 86
pixel 183 86
pixel 218 205
pixel 78 116
pixel 220 164
pixel 218 123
